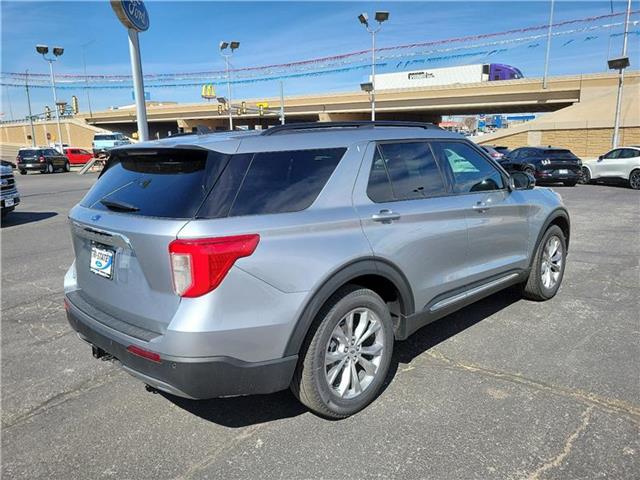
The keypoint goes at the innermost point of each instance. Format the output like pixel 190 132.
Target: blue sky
pixel 183 36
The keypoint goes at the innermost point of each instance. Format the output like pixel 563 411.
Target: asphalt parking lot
pixel 504 389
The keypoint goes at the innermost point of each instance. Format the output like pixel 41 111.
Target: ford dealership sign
pixel 132 13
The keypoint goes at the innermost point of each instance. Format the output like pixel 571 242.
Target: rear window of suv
pixel 558 153
pixel 168 183
pixel 28 153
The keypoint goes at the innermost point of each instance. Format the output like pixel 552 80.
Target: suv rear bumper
pixel 189 377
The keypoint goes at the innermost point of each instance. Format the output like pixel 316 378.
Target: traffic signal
pixel 74 105
pixel 243 107
pixel 219 109
pixel 261 110
pixel 47 112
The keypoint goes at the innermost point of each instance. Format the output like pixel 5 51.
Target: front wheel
pixel 634 179
pixel 548 266
pixel 346 355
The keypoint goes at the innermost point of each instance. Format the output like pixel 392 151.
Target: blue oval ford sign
pixel 132 13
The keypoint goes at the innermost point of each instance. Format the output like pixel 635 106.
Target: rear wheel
pixel 67 167
pixel 50 168
pixel 346 355
pixel 585 177
pixel 547 270
pixel 570 184
pixel 23 172
pixel 529 170
pixel 634 179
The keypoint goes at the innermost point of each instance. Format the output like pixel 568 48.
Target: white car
pixel 619 163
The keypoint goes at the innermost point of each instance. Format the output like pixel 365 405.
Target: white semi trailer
pixel 430 77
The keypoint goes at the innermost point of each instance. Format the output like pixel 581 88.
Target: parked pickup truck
pixel 103 142
pixel 9 193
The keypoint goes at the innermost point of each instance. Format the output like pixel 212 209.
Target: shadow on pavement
pixel 239 412
pixel 20 218
pixel 243 411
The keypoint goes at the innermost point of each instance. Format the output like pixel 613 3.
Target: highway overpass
pixel 595 93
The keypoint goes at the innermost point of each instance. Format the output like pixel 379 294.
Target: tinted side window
pixel 628 153
pixel 223 193
pixel 412 170
pixel 278 182
pixel 379 187
pixel 470 171
pixel 613 154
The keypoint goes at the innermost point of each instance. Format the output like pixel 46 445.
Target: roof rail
pixel 355 124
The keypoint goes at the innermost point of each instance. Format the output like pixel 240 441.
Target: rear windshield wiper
pixel 119 206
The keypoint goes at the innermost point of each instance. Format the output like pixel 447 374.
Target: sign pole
pixel 134 16
pixel 138 85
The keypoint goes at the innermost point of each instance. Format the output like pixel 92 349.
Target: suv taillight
pixel 18 159
pixel 41 159
pixel 199 265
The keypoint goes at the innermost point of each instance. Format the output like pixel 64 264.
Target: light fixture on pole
pixel 620 64
pixel 226 50
pixel 380 17
pixel 57 52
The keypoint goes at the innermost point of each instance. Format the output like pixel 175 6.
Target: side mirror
pixel 601 157
pixel 522 181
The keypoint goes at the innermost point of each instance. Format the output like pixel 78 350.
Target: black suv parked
pixel 546 164
pixel 44 160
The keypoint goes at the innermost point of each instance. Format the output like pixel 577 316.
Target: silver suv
pixel 249 262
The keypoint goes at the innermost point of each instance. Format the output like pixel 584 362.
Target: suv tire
pixel 50 168
pixel 634 179
pixel 328 389
pixel 548 266
pixel 67 167
pixel 23 172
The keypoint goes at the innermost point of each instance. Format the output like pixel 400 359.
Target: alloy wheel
pixel 551 265
pixel 353 353
pixel 634 179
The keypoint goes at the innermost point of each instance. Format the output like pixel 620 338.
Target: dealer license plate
pixel 102 261
pixel 563 171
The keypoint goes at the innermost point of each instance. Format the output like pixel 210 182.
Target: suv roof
pixel 301 136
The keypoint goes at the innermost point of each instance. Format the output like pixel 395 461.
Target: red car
pixel 77 156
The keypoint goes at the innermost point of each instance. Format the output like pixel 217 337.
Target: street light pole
pixel 55 101
pixel 57 52
pixel 223 47
pixel 226 61
pixel 33 131
pixel 548 52
pixel 364 19
pixel 616 124
pixel 281 102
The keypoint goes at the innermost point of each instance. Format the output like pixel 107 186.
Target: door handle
pixel 385 216
pixel 481 207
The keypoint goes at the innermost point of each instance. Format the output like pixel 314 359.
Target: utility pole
pixel 26 86
pixel 86 80
pixel 616 125
pixel 546 57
